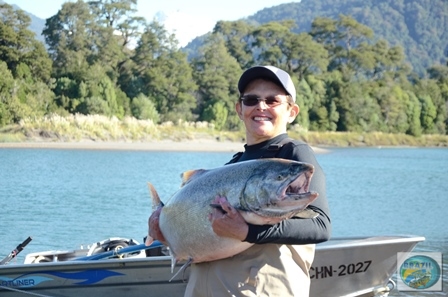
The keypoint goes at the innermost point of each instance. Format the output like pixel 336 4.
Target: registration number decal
pixel 341 270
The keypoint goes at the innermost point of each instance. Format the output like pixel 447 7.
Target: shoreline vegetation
pixel 104 133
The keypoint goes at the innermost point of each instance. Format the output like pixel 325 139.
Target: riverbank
pixel 100 132
pixel 201 145
pixel 165 145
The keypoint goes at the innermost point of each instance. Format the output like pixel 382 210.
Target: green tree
pixel 70 36
pixel 163 74
pixel 433 106
pixel 438 72
pixel 311 116
pixel 89 54
pixel 6 88
pixel 97 94
pixel 428 114
pixel 305 56
pixel 216 114
pixel 66 91
pixel 118 29
pixel 144 109
pixel 216 73
pixel 320 106
pixel 342 38
pixel 358 111
pixel 18 45
pixel 237 36
pixel 28 67
pixel 270 44
pixel 393 103
pixel 12 110
pixel 439 77
pixel 413 111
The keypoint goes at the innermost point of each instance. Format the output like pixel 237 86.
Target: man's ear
pixel 238 109
pixel 293 112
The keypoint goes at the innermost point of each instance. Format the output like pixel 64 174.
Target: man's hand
pixel 227 221
pixel 154 232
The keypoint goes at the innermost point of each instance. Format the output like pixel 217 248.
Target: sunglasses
pixel 252 100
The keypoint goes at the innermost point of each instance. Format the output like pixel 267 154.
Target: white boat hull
pixel 357 266
pixel 342 267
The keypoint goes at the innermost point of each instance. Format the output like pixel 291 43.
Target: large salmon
pixel 265 191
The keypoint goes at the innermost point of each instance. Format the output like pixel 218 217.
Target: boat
pixel 349 266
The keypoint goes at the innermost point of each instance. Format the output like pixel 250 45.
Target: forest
pixel 100 58
pixel 418 26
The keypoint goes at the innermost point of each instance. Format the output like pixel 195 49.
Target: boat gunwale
pixel 345 242
pixel 361 241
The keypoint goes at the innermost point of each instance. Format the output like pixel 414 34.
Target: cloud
pixel 185 26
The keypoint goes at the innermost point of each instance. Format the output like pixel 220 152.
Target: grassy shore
pixel 79 131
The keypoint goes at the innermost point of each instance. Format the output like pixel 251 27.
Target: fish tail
pixel 173 264
pixel 156 202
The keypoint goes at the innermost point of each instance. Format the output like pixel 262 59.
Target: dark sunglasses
pixel 252 100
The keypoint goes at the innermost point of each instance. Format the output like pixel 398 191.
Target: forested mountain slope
pixel 419 26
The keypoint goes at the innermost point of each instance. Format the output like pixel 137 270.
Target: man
pixel 278 264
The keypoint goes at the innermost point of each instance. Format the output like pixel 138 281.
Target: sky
pixel 187 19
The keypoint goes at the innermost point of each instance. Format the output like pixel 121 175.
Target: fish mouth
pixel 299 187
pixel 293 199
pixel 284 193
pixel 296 195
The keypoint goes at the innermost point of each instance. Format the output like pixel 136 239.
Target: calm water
pixel 64 198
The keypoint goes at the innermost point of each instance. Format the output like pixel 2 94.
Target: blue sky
pixel 186 18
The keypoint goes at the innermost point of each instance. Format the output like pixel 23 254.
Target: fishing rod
pixel 122 251
pixel 16 251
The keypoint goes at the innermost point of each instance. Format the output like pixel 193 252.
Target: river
pixel 64 198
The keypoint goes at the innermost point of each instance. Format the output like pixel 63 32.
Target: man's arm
pixel 298 230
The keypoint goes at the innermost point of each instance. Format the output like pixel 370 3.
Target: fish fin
pixel 173 260
pixel 189 174
pixel 156 202
pixel 307 214
pixel 180 269
pixel 149 240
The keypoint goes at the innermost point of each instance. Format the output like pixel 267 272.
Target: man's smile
pixel 258 118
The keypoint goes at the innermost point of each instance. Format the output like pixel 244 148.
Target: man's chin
pixel 263 131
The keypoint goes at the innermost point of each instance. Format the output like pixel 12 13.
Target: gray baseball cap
pixel 268 72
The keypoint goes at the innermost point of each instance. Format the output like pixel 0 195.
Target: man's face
pixel 262 121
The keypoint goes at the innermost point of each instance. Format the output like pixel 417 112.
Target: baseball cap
pixel 268 72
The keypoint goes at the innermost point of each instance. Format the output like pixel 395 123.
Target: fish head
pixel 276 190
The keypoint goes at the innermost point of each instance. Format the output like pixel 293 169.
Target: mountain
pixel 419 26
pixel 37 26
